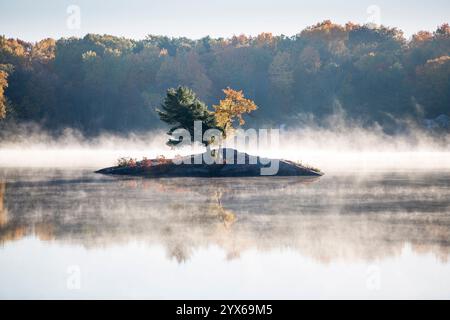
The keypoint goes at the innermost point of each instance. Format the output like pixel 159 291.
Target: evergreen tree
pixel 181 108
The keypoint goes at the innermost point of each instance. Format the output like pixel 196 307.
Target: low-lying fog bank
pixel 342 148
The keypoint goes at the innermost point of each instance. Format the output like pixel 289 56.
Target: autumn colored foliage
pixel 105 83
pixel 231 108
pixel 3 85
pixel 181 109
pixel 145 162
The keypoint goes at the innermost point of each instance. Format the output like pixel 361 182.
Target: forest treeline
pixel 104 83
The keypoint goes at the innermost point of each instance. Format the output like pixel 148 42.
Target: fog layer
pixel 341 146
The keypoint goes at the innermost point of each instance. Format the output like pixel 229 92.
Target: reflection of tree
pixel 226 216
pixel 185 215
pixel 44 231
pixel 3 213
pixel 179 253
pixel 8 232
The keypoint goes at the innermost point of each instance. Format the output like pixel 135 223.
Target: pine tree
pixel 181 108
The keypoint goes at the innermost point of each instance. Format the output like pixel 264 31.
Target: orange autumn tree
pixel 3 85
pixel 232 109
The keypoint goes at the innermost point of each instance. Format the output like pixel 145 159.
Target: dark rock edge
pixel 172 170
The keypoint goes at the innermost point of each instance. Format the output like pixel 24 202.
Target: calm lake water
pixel 74 234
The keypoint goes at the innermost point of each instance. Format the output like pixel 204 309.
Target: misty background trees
pixel 104 83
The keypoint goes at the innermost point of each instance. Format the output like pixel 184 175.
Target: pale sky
pixel 33 20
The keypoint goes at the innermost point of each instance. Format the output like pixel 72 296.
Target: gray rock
pixel 227 163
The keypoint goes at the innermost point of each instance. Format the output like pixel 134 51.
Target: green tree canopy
pixel 181 108
pixel 104 83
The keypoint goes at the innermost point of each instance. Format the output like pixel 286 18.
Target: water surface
pixel 70 233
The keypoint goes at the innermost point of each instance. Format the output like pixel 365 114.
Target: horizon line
pixel 406 36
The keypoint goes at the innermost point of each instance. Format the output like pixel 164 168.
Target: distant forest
pixel 102 83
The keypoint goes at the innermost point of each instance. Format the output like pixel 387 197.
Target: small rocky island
pixel 228 163
pixel 190 118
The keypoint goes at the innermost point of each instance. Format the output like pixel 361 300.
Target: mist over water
pixel 340 146
pixel 288 237
pixel 358 102
pixel 380 212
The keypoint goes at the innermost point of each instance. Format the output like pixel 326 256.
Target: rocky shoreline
pixel 224 163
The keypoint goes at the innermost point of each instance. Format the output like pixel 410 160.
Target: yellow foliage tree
pixel 232 108
pixel 3 85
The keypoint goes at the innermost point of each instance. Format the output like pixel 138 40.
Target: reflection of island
pixel 234 214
